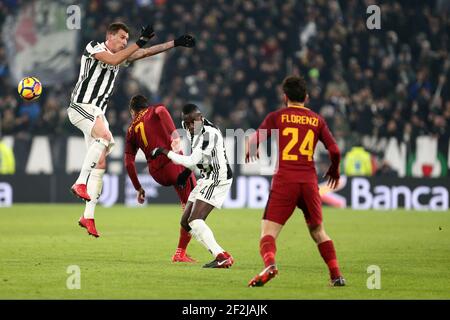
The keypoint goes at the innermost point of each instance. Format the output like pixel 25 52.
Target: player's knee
pixel 190 219
pixel 185 225
pixel 320 237
pixel 315 237
pixel 103 141
pixel 106 135
pixel 101 164
pixel 100 131
pixel 184 221
pixel 317 232
pixel 194 221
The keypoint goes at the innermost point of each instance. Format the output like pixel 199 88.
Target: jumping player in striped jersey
pixel 100 65
pixel 208 154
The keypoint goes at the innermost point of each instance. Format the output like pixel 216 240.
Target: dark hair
pixel 113 28
pixel 190 107
pixel 295 88
pixel 138 102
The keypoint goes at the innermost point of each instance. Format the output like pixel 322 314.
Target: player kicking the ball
pixel 299 130
pixel 208 154
pixel 98 71
pixel 152 126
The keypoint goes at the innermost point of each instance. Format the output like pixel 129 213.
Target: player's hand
pixel 146 34
pixel 182 178
pixel 141 196
pixel 156 152
pixel 185 40
pixel 333 177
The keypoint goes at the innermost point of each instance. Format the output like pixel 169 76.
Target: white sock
pixel 94 189
pixel 90 160
pixel 204 235
pixel 194 235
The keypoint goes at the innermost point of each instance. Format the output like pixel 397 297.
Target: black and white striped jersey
pixel 214 162
pixel 208 154
pixel 96 79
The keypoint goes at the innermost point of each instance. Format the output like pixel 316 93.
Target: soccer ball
pixel 30 88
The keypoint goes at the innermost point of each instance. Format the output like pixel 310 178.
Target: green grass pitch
pixel 131 259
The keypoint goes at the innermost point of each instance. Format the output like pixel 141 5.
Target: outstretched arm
pixel 116 58
pixel 186 161
pixel 204 146
pixel 148 52
pixel 119 57
pixel 184 41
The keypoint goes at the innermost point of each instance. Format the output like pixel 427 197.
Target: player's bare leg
pixel 328 253
pixel 203 234
pixel 180 254
pixel 94 188
pixel 267 248
pixel 95 151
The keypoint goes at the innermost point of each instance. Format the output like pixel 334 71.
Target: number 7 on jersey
pixel 140 127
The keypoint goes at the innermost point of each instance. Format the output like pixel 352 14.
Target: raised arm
pixel 184 41
pixel 117 58
pixel 148 52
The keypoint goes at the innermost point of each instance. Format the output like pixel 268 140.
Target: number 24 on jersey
pixel 306 147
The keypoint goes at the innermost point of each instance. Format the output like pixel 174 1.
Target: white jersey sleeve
pixel 208 154
pixel 203 146
pixel 94 47
pixel 192 160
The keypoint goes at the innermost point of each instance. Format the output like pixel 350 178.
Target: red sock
pixel 329 256
pixel 185 237
pixel 267 249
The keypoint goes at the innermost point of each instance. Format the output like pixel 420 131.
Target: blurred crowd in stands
pixel 392 82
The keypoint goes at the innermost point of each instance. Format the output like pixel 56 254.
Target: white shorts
pixel 83 116
pixel 211 192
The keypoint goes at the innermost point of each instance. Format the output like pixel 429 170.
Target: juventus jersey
pixel 96 79
pixel 208 154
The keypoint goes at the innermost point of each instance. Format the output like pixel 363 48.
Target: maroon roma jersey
pixel 151 128
pixel 299 129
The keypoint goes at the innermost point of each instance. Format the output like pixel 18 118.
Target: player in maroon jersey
pixel 299 130
pixel 152 126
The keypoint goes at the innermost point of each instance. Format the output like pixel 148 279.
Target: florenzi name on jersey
pixel 300 119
